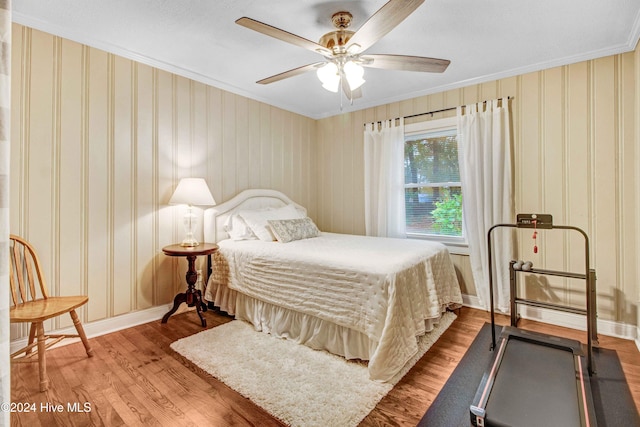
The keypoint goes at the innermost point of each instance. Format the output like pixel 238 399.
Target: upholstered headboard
pixel 215 218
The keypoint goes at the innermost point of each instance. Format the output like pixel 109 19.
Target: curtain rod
pixel 436 111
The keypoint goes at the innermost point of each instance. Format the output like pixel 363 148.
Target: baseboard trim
pixel 471 301
pixel 104 326
pixel 568 320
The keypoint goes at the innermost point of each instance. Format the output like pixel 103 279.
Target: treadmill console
pixel 534 221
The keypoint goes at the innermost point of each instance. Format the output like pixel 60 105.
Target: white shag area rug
pixel 294 383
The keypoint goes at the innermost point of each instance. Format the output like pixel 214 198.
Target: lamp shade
pixel 354 73
pixel 192 192
pixel 329 76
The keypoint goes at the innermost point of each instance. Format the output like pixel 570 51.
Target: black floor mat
pixel 613 403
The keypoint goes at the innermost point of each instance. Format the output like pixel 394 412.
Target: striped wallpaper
pixel 577 156
pixel 99 143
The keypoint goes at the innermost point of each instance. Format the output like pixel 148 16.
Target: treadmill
pixel 535 379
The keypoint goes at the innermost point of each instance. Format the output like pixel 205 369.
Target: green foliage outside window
pixel 448 214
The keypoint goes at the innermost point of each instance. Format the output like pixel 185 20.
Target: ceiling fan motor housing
pixel 337 40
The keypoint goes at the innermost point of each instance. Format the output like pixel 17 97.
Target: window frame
pixel 456 245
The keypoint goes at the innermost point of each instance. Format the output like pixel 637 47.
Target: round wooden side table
pixel 192 296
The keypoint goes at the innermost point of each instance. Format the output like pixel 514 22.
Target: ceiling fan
pixel 343 49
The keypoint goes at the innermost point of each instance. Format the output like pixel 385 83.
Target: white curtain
pixel 484 153
pixel 384 179
pixel 5 135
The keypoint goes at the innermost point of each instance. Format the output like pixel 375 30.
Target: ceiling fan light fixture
pixel 329 76
pixel 344 50
pixel 354 73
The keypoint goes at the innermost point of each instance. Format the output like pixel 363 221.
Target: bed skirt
pixel 301 328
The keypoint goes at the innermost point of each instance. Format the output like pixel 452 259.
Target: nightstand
pixel 192 296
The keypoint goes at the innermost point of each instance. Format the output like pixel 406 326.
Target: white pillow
pixel 238 229
pixel 257 220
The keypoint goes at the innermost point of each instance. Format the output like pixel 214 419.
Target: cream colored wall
pixel 575 132
pixel 98 144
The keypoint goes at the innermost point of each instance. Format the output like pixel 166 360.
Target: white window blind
pixel 433 192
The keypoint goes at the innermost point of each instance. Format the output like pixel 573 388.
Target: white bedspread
pixel 384 288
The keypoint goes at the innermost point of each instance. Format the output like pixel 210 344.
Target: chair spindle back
pixel 23 261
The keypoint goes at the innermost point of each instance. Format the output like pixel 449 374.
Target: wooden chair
pixel 35 308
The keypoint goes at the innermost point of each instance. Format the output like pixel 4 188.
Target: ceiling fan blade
pixel 285 36
pixel 383 21
pixel 290 73
pixel 405 63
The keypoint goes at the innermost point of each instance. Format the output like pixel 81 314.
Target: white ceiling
pixel 484 39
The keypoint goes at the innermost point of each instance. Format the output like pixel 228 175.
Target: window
pixel 433 192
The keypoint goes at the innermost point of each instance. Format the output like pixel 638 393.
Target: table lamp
pixel 191 192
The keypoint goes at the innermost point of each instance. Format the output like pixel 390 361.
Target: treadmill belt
pixel 535 386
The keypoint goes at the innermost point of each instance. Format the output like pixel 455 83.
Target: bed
pixel 360 297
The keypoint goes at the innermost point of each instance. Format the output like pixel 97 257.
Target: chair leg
pixel 32 336
pixel 42 357
pixel 80 329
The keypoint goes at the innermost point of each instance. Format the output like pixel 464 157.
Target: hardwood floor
pixel 135 379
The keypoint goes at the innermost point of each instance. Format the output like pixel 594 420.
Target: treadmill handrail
pixel 587 277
